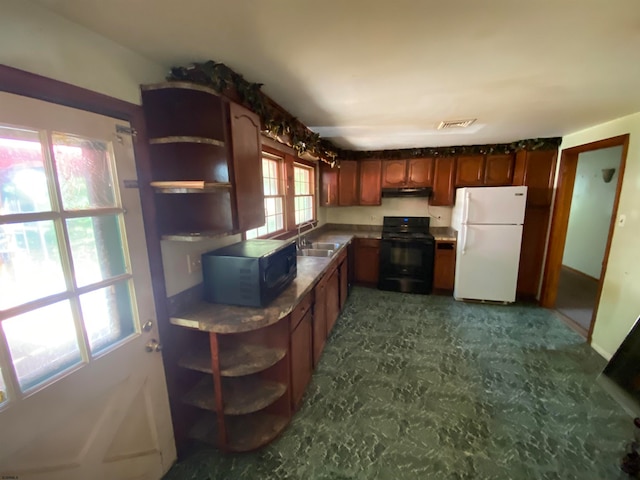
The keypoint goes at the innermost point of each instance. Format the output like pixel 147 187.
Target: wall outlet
pixel 373 217
pixel 194 263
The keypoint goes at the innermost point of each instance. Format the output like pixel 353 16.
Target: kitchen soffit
pixel 381 75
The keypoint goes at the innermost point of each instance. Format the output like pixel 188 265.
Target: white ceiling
pixel 370 74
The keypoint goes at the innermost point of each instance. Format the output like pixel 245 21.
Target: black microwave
pixel 250 273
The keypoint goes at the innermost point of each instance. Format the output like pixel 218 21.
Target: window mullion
pixel 8 371
pixel 64 247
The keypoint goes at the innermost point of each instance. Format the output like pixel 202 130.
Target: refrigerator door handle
pixel 465 214
pixel 464 239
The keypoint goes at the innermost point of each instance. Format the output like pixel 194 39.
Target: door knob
pixel 153 346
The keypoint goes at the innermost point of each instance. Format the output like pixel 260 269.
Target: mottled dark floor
pixel 423 387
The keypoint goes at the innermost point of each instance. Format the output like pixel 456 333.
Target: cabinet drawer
pixel 368 242
pixel 300 310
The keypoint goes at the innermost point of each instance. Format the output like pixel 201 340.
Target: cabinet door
pixel 443 176
pixel 536 170
pixel 344 282
pixel 367 260
pixel 394 173
pixel 329 180
pixel 319 320
pixel 370 178
pixel 444 265
pixel 301 359
pixel 498 170
pixel 333 300
pixel 420 172
pixel 247 167
pixel 348 183
pixel 470 171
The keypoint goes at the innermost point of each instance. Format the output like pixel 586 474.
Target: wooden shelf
pixel 179 85
pixel 185 139
pixel 195 236
pixel 198 359
pixel 248 432
pixel 242 395
pixel 247 359
pixel 245 432
pixel 205 429
pixel 187 186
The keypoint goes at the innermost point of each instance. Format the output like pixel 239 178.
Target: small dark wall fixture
pixel 607 174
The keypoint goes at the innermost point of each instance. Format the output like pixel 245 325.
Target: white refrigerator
pixel 489 223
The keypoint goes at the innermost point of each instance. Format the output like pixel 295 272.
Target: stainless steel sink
pixel 325 246
pixel 315 252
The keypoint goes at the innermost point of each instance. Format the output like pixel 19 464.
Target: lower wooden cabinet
pixel 444 265
pixel 367 260
pixel 319 319
pixel 333 300
pixel 343 269
pixel 301 358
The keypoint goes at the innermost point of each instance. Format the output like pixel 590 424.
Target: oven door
pixel 406 265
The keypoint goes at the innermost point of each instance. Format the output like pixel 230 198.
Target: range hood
pixel 407 192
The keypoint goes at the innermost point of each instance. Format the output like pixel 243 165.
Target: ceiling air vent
pixel 455 123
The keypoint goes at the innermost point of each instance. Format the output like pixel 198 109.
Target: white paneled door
pixel 82 387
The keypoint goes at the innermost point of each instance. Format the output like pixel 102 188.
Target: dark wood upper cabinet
pixel 329 185
pixel 420 172
pixel 246 155
pixel 536 169
pixel 413 172
pixel 470 171
pixel 394 173
pixel 443 182
pixel 498 170
pixel 370 178
pixel 348 183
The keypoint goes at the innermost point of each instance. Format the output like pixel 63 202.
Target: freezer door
pixel 487 262
pixel 493 205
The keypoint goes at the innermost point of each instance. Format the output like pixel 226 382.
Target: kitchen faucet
pixel 302 242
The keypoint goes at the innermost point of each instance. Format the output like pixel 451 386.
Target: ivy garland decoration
pixel 284 127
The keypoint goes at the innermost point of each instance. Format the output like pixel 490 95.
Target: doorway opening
pixel 584 215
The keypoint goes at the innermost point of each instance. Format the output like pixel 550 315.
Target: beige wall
pixel 38 41
pixel 620 301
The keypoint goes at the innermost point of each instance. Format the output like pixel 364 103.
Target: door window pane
pixel 108 315
pixel 30 266
pixel 3 389
pixel 23 182
pixel 96 247
pixel 84 172
pixel 42 343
